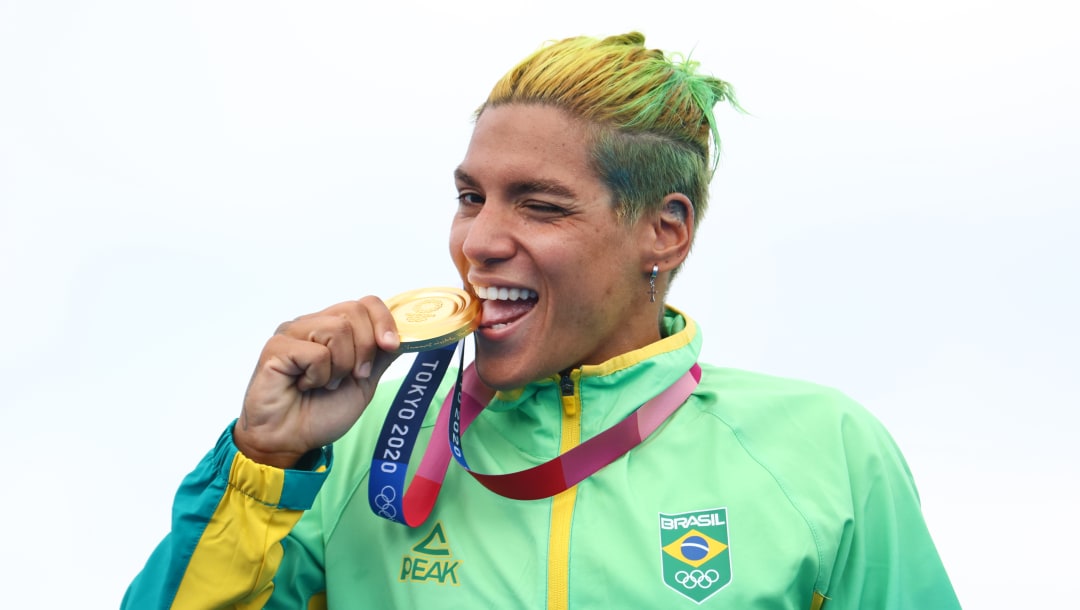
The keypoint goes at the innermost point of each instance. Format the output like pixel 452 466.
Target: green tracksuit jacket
pixel 757 493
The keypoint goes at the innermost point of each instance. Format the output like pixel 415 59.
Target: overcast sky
pixel 897 216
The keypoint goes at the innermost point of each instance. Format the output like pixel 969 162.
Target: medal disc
pixel 431 318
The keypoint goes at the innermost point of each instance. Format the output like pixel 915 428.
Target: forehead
pixel 527 141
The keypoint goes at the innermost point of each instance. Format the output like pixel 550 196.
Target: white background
pixel 897 217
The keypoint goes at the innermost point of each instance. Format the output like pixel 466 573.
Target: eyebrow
pixel 522 187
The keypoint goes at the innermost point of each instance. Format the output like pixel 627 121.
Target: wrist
pixel 276 459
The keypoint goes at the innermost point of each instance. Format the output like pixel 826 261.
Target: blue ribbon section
pixel 454 427
pixel 386 486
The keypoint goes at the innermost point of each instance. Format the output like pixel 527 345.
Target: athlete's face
pixel 562 280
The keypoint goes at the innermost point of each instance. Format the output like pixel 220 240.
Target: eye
pixel 541 207
pixel 468 198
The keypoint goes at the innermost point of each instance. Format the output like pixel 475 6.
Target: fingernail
pixel 390 337
pixel 364 370
pixel 333 385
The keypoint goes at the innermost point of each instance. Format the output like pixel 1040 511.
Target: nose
pixel 489 235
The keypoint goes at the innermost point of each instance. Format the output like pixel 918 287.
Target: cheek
pixel 457 239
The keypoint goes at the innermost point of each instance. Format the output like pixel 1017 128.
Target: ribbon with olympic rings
pixel 399 431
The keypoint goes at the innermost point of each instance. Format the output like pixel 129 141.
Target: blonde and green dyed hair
pixel 655 130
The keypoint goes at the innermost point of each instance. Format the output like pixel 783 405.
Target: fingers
pixel 309 364
pixel 342 340
pixel 383 329
pixel 322 350
pixel 315 377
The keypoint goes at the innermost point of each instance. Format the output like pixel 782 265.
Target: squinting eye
pixel 545 208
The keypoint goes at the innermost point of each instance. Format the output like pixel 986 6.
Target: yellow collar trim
pixel 667 344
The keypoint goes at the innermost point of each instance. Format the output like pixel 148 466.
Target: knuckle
pixel 275 344
pixel 371 301
pixel 331 326
pixel 285 326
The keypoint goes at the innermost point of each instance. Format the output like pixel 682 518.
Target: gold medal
pixel 431 318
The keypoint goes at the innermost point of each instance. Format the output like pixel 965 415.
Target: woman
pixel 579 196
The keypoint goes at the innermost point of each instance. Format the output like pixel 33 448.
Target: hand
pixel 315 377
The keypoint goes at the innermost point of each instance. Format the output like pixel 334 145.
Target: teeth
pixel 494 293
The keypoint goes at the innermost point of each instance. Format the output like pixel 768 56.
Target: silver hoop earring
pixel 652 283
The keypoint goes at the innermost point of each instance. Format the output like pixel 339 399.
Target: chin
pixel 501 378
pixel 496 380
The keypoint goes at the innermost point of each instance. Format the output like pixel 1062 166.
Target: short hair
pixel 655 132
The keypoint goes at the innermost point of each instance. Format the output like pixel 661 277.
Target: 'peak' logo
pixel 431 561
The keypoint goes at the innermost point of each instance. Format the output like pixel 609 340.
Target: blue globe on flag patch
pixel 694 548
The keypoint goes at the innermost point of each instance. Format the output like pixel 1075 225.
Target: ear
pixel 670 231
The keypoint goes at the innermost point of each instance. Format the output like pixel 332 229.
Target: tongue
pixel 502 312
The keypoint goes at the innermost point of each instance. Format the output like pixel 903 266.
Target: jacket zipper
pixel 562 505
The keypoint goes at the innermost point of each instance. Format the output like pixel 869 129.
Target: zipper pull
pixel 566 387
pixel 566 384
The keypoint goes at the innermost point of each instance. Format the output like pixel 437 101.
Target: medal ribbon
pixel 399 432
pixel 461 407
pixel 569 469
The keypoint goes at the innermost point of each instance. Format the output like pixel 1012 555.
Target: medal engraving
pixel 423 311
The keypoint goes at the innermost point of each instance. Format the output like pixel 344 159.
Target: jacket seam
pixel 818 546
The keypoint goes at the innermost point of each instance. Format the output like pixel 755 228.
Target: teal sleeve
pixel 301 576
pixel 887 559
pixel 232 531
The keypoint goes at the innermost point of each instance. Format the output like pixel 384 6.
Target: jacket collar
pixel 609 391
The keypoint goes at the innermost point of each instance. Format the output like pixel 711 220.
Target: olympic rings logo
pixel 697 578
pixel 384 503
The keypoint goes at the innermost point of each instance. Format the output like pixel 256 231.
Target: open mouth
pixel 502 306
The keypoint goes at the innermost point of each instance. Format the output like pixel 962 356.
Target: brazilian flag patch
pixel 695 552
